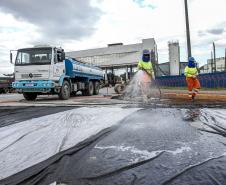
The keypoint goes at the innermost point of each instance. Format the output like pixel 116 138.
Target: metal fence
pixel 211 80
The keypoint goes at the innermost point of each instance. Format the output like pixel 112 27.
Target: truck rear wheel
pixel 65 91
pixel 29 96
pixel 89 90
pixel 96 88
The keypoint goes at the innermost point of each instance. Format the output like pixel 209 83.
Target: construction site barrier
pixel 210 80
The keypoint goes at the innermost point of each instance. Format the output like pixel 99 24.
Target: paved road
pixel 112 145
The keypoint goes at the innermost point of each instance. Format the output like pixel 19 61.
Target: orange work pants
pixel 193 86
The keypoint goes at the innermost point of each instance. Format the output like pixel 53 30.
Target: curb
pixel 217 97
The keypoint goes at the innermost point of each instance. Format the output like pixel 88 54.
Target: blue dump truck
pixel 46 70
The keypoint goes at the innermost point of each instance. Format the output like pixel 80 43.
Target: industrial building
pixel 164 69
pixel 210 66
pixel 117 56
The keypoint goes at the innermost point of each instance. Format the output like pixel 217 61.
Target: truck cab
pixel 42 70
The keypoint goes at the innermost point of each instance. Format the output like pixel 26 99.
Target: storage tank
pixel 174 57
pixel 76 68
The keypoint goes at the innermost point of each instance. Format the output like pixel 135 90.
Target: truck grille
pixel 30 75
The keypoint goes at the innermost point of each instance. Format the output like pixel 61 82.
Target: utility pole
pixel 187 29
pixel 211 62
pixel 214 57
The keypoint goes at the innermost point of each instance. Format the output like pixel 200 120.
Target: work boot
pixel 190 97
pixel 193 96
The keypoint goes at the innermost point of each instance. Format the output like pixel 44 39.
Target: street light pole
pixel 187 29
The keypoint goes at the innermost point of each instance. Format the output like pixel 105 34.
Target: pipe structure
pixel 187 29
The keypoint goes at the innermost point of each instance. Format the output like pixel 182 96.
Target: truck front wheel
pixel 6 90
pixel 29 96
pixel 65 91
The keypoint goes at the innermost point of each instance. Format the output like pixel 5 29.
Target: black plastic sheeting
pixel 152 146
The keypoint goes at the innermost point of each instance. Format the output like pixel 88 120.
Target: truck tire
pixel 120 88
pixel 96 88
pixel 6 90
pixel 29 96
pixel 89 89
pixel 65 91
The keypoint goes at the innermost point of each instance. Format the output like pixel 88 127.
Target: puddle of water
pixel 137 155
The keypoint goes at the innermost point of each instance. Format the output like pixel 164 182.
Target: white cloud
pixel 14 34
pixel 128 22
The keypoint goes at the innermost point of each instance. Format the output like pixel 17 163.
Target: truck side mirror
pixel 63 56
pixel 11 57
pixel 58 57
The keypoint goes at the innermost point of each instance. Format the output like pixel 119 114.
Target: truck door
pixel 58 66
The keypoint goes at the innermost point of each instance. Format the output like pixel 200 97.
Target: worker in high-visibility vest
pixel 145 64
pixel 191 73
pixel 146 73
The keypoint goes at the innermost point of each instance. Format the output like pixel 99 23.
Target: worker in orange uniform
pixel 148 73
pixel 191 73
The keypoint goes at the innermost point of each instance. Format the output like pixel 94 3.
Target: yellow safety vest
pixel 190 71
pixel 147 66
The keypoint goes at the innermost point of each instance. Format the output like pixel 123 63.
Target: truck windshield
pixel 34 56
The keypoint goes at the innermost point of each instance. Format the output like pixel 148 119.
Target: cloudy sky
pixel 85 24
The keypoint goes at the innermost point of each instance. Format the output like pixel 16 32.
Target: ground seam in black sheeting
pixel 189 168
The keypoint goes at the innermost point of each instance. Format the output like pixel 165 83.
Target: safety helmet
pixel 191 59
pixel 146 52
pixel 191 62
pixel 146 55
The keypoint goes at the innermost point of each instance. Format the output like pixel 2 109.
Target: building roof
pixel 114 48
pixel 106 51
